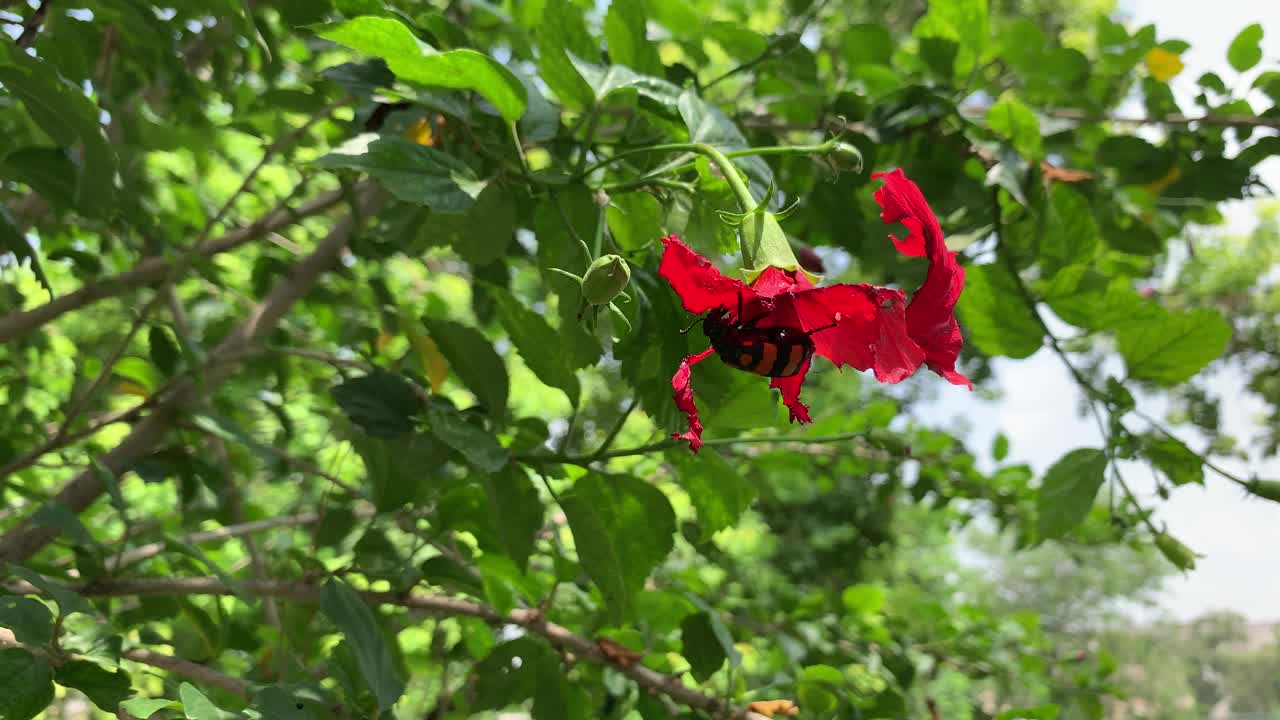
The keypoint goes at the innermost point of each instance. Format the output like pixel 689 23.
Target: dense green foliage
pixel 303 413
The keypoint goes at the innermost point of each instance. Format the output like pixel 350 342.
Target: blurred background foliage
pixel 296 421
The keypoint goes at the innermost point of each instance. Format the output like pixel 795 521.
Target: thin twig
pixel 152 269
pixel 191 671
pixel 57 443
pixel 586 460
pixel 533 621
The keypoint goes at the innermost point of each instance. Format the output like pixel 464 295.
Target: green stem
pixel 821 149
pixel 730 172
pixel 593 117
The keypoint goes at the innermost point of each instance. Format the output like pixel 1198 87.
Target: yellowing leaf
pixel 1163 64
pixel 131 388
pixel 1159 186
pixel 420 132
pixel 770 708
pixel 434 363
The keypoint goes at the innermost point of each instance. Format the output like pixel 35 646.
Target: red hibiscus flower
pixel 774 325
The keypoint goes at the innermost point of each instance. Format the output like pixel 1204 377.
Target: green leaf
pixel 484 232
pixel 401 469
pixel 479 446
pixel 562 30
pixel 634 219
pixel 963 22
pixel 146 707
pixel 625 33
pixel 412 172
pixel 412 60
pixel 56 515
pixel 27 684
pixel 182 547
pixel 46 170
pixel 719 493
pixel 864 600
pixel 359 626
pixel 68 116
pixel 107 689
pixel 1011 119
pixel 1245 50
pixel 1070 233
pixel 1168 348
pixel 13 241
pixel 474 360
pixel 1067 492
pixel 163 349
pixel 1136 161
pixel 995 315
pixel 1088 299
pixel 69 601
pixel 537 344
pixel 382 403
pixel 817 688
pixel 196 706
pixel 605 81
pixel 1175 460
pixel 867 44
pixel 700 646
pixel 622 528
pixel 28 619
pixel 516 510
pixel 280 703
pixel 1000 447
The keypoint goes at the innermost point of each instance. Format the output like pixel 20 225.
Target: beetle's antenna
pixel 696 320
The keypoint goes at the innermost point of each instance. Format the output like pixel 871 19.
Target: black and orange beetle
pixel 777 351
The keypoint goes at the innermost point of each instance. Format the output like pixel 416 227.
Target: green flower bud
pixel 847 157
pixel 1269 489
pixel 1175 552
pixel 605 279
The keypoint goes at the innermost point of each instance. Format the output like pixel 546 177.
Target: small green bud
pixel 847 157
pixel 605 280
pixel 1269 489
pixel 1175 552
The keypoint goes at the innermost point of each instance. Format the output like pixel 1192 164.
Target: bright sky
pixel 1238 535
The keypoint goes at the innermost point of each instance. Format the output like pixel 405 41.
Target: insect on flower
pixel 775 325
pixel 772 352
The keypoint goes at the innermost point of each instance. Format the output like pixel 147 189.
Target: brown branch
pixel 532 621
pixel 150 550
pixel 31 28
pixel 23 541
pixel 154 269
pixel 191 671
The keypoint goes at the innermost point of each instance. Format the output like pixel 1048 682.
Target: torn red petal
pixel 697 282
pixel 680 382
pixel 790 387
pixel 931 321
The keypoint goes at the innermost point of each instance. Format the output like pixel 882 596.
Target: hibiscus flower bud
pixel 1175 552
pixel 1269 489
pixel 605 280
pixel 811 261
pixel 847 157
